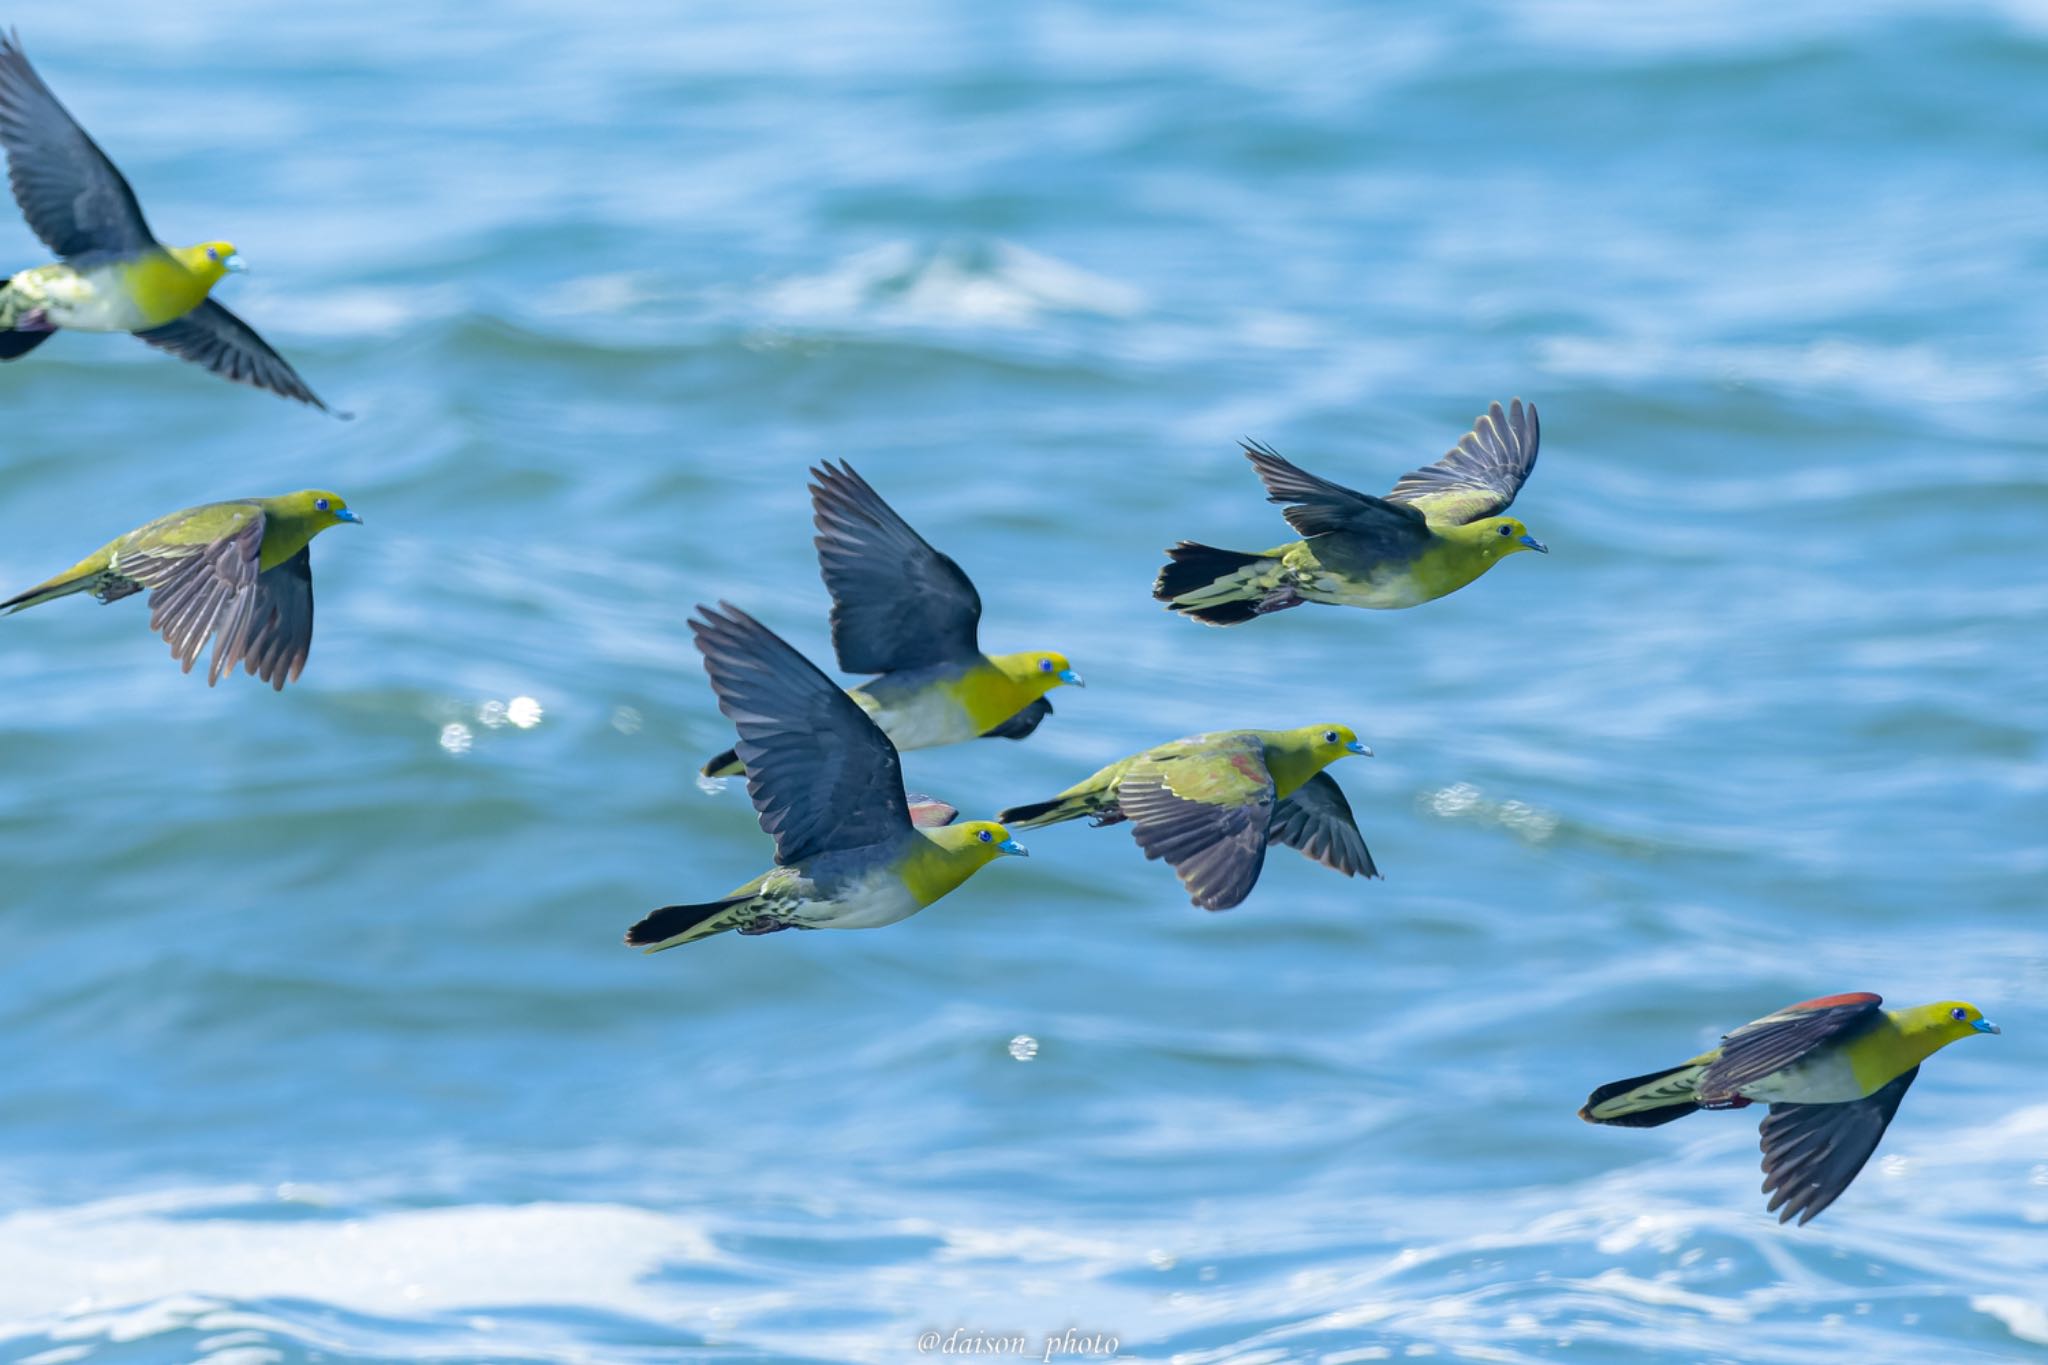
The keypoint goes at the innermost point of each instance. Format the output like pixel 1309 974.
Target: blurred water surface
pixel 319 1040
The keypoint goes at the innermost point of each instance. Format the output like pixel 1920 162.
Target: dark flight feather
pixel 1317 820
pixel 821 775
pixel 1813 1151
pixel 68 189
pixel 210 335
pixel 897 604
pixel 1023 723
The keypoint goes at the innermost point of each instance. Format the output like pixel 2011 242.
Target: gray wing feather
pixel 1775 1042
pixel 1216 850
pixel 1812 1151
pixel 206 594
pixel 1492 462
pixel 897 603
pixel 68 190
pixel 1317 820
pixel 210 335
pixel 822 776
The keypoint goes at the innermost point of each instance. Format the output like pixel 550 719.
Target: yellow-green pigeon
pixel 828 787
pixel 237 573
pixel 907 612
pixel 112 274
pixel 1210 804
pixel 1833 1071
pixel 1439 529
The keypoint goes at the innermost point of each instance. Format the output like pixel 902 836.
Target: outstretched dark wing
pixel 1317 820
pixel 68 190
pixel 897 603
pixel 210 335
pixel 1206 812
pixel 822 775
pixel 1361 530
pixel 1774 1042
pixel 1021 724
pixel 1813 1151
pixel 280 634
pixel 1480 475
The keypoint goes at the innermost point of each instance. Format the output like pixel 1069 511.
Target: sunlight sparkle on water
pixel 521 713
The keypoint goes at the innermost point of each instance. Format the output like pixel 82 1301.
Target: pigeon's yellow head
pixel 984 839
pixel 1328 743
pixel 1499 537
pixel 209 260
pixel 1040 670
pixel 1952 1019
pixel 316 506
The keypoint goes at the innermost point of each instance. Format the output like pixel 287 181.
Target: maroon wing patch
pixel 1828 1002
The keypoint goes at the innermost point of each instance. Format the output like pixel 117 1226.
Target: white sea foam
pixel 1662 1293
pixel 133 1269
pixel 2026 1319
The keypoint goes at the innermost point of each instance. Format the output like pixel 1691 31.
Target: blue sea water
pixel 317 1039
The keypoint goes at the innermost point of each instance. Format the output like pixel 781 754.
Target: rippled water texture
pixel 319 1040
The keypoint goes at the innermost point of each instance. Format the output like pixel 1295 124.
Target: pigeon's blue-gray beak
pixel 1014 849
pixel 234 264
pixel 1355 747
pixel 1070 678
pixel 1538 546
pixel 343 514
pixel 1986 1026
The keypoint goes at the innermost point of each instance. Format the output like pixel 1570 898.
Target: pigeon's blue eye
pixel 212 255
pixel 984 836
pixel 1958 1014
pixel 1507 530
pixel 1045 665
pixel 320 506
pixel 1329 736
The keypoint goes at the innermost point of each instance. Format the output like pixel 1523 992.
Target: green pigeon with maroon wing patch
pixel 1833 1071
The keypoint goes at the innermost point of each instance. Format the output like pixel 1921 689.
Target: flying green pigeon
pixel 1210 804
pixel 238 573
pixel 113 275
pixel 1833 1071
pixel 829 789
pixel 1439 529
pixel 907 612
